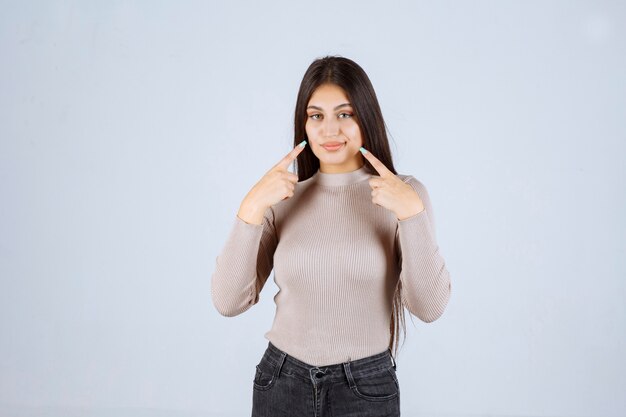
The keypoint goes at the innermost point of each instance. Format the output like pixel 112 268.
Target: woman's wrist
pixel 251 213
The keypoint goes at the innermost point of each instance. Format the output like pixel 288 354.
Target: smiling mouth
pixel 333 146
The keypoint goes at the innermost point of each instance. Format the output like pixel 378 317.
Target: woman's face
pixel 331 120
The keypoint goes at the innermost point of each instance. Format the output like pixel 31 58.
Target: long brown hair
pixel 348 75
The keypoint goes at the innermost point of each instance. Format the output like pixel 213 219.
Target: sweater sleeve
pixel 243 266
pixel 426 285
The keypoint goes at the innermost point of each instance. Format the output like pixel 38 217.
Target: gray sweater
pixel 337 258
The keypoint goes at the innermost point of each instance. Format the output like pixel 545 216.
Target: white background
pixel 131 131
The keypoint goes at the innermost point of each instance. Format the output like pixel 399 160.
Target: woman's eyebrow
pixel 339 106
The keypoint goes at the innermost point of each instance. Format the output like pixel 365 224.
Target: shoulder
pixel 412 181
pixel 417 185
pixel 405 177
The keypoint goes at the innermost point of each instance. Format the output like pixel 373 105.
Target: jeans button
pixel 319 374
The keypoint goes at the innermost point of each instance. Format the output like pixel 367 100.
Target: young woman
pixel 351 242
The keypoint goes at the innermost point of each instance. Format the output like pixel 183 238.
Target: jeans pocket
pixel 264 377
pixel 378 386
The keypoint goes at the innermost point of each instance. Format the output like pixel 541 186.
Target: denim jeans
pixel 285 386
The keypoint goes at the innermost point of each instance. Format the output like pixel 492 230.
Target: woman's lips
pixel 332 146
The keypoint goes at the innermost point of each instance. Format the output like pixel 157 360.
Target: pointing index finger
pixel 291 156
pixel 378 166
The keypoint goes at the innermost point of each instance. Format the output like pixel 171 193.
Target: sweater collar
pixel 342 178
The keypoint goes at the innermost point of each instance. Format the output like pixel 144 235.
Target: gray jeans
pixel 286 386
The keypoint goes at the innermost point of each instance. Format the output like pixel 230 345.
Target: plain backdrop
pixel 130 131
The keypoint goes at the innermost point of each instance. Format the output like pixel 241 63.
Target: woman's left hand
pixel 391 192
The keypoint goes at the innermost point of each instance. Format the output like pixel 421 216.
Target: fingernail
pixel 303 143
pixel 363 151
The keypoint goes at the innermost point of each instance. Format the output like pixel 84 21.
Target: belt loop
pixel 393 361
pixel 281 361
pixel 346 367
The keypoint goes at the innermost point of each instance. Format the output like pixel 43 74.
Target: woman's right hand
pixel 276 185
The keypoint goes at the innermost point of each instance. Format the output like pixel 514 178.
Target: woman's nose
pixel 331 127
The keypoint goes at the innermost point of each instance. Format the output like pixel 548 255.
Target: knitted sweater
pixel 337 258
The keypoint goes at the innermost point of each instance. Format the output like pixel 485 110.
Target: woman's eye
pixel 314 116
pixel 345 115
